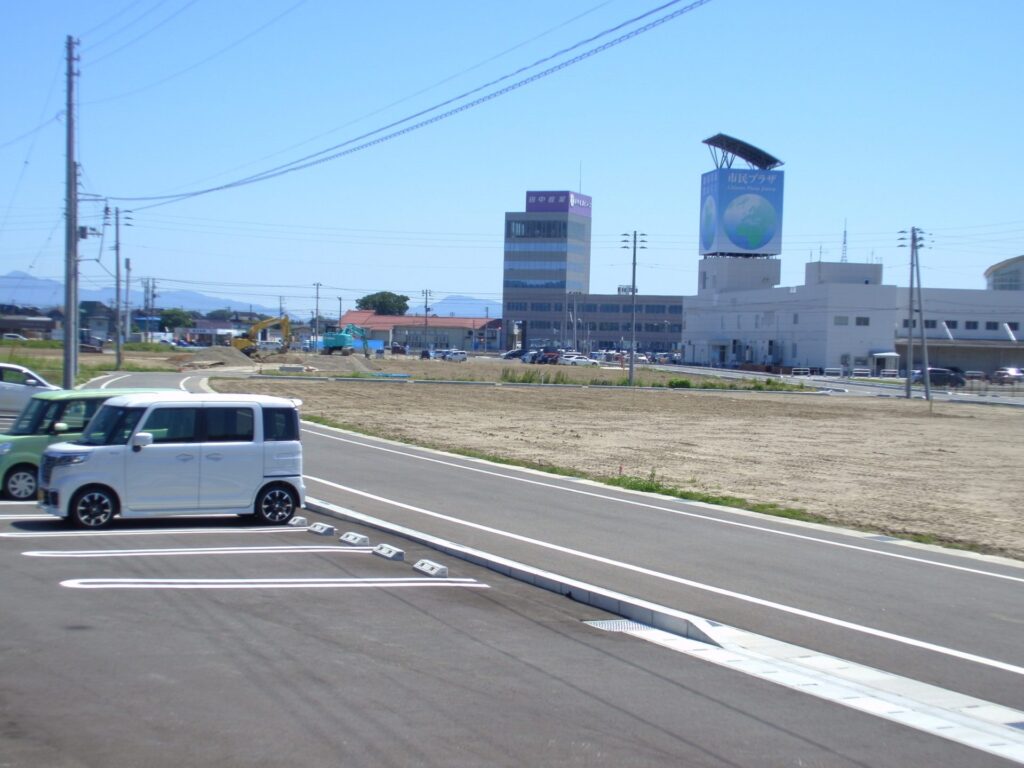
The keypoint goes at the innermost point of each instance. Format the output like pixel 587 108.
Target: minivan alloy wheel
pixel 275 505
pixel 92 509
pixel 20 483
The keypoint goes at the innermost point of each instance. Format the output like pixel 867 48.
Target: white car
pixel 178 453
pixel 576 360
pixel 17 385
pixel 456 356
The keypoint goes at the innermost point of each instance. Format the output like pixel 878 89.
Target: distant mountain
pixel 461 306
pixel 24 289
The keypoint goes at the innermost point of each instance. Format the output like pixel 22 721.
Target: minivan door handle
pixel 184 457
pixel 214 456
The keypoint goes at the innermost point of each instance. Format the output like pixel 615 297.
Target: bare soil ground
pixel 949 471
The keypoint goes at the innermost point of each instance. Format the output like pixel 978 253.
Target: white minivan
pixel 178 453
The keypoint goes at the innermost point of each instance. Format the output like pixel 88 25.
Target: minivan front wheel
pixel 20 483
pixel 92 508
pixel 275 505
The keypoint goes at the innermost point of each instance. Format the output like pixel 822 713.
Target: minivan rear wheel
pixel 92 508
pixel 275 505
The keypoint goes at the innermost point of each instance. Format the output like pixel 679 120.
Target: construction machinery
pixel 248 343
pixel 343 340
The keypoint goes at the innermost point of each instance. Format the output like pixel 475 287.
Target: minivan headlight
pixel 70 458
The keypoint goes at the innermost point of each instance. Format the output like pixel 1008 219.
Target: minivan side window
pixel 229 424
pixel 172 425
pixel 280 424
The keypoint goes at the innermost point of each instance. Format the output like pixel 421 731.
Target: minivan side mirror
pixel 141 440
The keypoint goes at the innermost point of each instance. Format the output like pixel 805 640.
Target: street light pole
pixel 632 324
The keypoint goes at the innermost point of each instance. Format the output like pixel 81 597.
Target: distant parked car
pixel 456 356
pixel 17 385
pixel 14 337
pixel 512 354
pixel 942 377
pixel 1008 375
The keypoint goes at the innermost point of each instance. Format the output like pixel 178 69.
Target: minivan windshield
pixel 112 425
pixel 28 420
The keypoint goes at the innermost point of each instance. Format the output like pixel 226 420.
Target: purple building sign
pixel 558 202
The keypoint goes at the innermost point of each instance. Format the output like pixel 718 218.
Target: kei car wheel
pixel 20 483
pixel 275 505
pixel 92 508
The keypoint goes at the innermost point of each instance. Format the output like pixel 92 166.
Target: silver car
pixel 17 385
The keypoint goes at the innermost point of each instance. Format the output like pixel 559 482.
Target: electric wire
pixel 321 157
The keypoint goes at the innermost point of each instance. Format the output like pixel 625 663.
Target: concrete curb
pixel 641 611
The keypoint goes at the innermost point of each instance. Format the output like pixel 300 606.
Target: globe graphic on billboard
pixel 750 221
pixel 707 223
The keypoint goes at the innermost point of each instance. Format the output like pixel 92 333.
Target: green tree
pixel 219 314
pixel 384 303
pixel 175 318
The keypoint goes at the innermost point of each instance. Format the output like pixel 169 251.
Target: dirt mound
pixel 215 356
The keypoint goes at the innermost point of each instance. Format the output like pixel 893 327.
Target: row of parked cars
pixel 92 454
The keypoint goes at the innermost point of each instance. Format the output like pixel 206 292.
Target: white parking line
pixel 160 532
pixel 269 583
pixel 198 551
pixel 781 607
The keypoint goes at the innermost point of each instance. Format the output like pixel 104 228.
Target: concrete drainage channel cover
pixel 973 722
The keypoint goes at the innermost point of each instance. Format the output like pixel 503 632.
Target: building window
pixel 540 307
pixel 971 325
pixel 610 308
pixel 516 306
pixel 1013 326
pixel 929 323
pixel 536 229
pixel 675 309
pixel 796 319
pixel 951 324
pixel 991 325
pixel 607 326
pixel 655 309
pixel 841 320
pixel 863 321
pixel 541 325
pixel 905 322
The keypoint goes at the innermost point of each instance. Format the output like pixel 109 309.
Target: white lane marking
pixel 140 532
pixel 27 517
pixel 269 583
pixel 110 381
pixel 670 510
pixel 793 610
pixel 181 384
pixel 195 551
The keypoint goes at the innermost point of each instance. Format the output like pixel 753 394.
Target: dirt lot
pixel 892 465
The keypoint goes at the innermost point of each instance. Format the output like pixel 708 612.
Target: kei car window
pixel 28 419
pixel 229 424
pixel 78 412
pixel 280 424
pixel 172 425
pixel 112 426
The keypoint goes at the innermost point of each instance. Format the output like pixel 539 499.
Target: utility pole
pixel 71 231
pixel 426 311
pixel 916 314
pixel 339 313
pixel 118 354
pixel 316 317
pixel 632 323
pixel 128 299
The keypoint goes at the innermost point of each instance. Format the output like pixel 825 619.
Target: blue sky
pixel 887 115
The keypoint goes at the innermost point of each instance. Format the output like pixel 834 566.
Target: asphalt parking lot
pixel 202 641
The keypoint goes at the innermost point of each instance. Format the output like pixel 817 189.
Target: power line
pixel 315 159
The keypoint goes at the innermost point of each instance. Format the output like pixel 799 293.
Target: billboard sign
pixel 741 211
pixel 558 202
